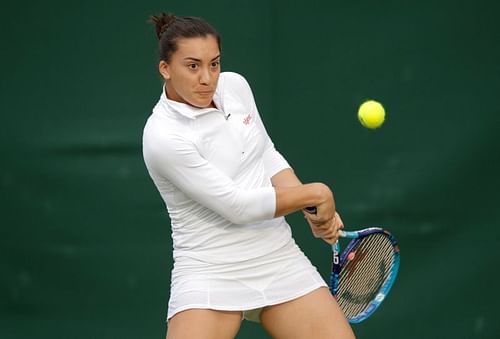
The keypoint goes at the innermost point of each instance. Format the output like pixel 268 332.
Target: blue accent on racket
pixel 364 273
pixel 362 276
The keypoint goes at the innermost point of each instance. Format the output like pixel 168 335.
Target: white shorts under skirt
pixel 246 286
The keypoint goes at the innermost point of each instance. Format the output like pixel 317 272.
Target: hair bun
pixel 162 22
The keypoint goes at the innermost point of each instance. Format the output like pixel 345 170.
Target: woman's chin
pixel 202 103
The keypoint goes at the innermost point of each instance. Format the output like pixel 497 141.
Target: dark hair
pixel 170 28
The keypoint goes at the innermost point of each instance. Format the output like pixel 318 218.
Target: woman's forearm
pixel 291 199
pixel 285 178
pixel 292 195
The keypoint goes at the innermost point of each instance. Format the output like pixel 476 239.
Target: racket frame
pixel 339 260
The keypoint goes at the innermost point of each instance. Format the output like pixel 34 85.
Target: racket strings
pixel 363 275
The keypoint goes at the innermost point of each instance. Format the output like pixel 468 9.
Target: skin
pixel 191 77
pixel 193 72
pixel 286 181
pixel 314 315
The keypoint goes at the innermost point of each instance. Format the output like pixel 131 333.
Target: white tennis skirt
pixel 246 286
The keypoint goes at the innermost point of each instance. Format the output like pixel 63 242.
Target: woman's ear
pixel 164 69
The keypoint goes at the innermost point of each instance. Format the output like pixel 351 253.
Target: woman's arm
pixel 291 199
pixel 285 178
pixel 290 193
pixel 176 159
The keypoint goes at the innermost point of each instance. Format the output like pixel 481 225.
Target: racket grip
pixel 311 210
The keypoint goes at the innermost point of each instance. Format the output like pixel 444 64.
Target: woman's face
pixel 193 71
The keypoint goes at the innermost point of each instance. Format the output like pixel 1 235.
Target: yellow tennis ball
pixel 371 114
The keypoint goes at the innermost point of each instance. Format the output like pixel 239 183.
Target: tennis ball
pixel 371 114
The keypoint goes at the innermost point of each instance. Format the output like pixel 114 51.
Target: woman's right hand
pixel 317 195
pixel 324 211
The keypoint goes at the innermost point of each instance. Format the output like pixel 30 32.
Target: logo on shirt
pixel 247 119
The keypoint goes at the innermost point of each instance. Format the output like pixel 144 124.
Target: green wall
pixel 85 242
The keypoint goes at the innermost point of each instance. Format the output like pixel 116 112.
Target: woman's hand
pixel 329 230
pixel 324 211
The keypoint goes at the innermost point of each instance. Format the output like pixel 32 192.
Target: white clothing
pixel 282 275
pixel 214 175
pixel 213 169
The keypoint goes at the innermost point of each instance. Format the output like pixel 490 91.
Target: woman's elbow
pixel 246 217
pixel 240 218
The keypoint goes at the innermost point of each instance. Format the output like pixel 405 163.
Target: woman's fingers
pixel 326 230
pixel 331 233
pixel 340 224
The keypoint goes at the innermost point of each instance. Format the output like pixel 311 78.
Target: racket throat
pixel 334 278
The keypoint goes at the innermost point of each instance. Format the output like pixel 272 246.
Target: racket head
pixel 364 272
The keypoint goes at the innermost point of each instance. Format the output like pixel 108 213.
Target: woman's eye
pixel 215 64
pixel 193 66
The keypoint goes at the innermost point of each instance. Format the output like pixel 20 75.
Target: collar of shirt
pixel 187 110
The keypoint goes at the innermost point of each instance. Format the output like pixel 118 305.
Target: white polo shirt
pixel 212 167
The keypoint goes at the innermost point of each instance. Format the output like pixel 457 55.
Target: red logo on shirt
pixel 247 120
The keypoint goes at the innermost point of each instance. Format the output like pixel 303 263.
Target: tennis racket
pixel 363 274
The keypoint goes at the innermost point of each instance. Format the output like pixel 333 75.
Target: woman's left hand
pixel 328 231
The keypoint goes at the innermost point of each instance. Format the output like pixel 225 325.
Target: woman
pixel 227 189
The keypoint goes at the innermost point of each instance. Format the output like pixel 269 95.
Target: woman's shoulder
pixel 233 77
pixel 162 127
pixel 235 86
pixel 234 81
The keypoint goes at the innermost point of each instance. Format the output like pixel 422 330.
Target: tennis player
pixel 227 190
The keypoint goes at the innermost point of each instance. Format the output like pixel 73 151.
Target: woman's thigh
pixel 204 324
pixel 315 315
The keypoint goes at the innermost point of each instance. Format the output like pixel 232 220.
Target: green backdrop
pixel 85 241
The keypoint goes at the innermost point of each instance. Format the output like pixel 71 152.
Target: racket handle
pixel 312 210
